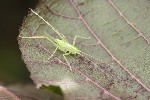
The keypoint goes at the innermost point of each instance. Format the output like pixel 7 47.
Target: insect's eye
pixel 67 51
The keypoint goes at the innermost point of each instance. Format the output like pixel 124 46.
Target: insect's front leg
pixel 64 55
pixel 77 36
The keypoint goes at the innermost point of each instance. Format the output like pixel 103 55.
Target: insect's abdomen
pixel 66 47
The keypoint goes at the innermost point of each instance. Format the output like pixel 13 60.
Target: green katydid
pixel 61 44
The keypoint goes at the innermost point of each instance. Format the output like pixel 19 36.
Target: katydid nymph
pixel 61 44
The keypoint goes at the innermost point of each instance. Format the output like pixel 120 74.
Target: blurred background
pixel 12 68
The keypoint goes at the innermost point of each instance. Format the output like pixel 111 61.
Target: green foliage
pixel 54 89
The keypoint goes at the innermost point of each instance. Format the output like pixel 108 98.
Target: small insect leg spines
pixel 55 30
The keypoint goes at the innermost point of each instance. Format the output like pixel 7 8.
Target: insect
pixel 61 44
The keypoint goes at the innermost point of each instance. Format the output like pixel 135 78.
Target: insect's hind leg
pixel 77 36
pixel 34 37
pixel 64 55
pixel 49 38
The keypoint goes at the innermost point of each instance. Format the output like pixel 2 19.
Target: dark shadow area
pixel 12 13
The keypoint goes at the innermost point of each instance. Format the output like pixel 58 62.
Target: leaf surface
pixel 116 60
pixel 5 94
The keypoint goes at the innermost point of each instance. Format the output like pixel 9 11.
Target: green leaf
pixel 29 92
pixel 116 60
pixel 54 89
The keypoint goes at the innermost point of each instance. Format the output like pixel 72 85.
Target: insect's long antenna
pixel 91 57
pixel 58 33
pixel 89 60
